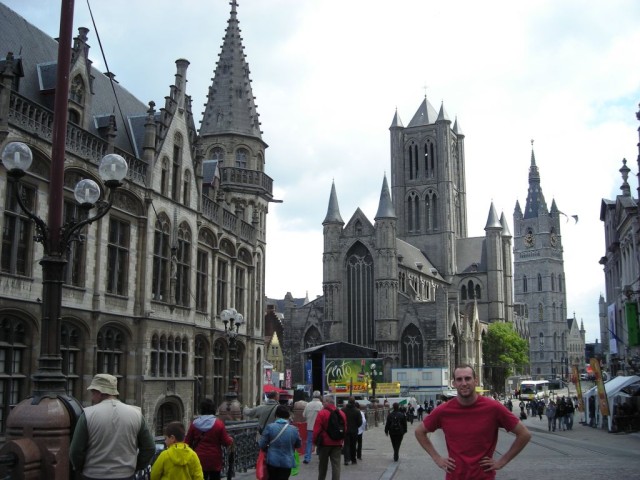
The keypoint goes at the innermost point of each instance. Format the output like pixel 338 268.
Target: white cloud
pixel 329 75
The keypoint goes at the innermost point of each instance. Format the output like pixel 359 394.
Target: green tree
pixel 504 352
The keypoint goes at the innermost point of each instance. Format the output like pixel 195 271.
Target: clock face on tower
pixel 528 239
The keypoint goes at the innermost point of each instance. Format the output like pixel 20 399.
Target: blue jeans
pixel 309 447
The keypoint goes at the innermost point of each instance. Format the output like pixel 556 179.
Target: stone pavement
pixel 377 455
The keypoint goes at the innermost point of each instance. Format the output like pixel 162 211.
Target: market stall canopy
pixel 617 386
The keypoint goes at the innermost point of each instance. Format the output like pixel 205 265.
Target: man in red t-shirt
pixel 470 424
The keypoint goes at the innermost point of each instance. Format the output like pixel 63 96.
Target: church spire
pixel 230 107
pixel 385 207
pixel 535 198
pixel 333 211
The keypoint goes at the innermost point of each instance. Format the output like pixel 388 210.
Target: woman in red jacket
pixel 206 436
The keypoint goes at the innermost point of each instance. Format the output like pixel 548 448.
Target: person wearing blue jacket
pixel 279 439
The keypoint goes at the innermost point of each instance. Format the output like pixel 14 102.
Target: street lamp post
pixel 49 382
pixel 230 408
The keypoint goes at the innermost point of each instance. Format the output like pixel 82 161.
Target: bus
pixel 534 389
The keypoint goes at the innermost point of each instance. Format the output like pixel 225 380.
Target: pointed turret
pixel 492 219
pixel 333 211
pixel 425 115
pixel 457 129
pixel 554 208
pixel 535 199
pixel 385 207
pixel 396 122
pixel 443 116
pixel 505 227
pixel 230 107
pixel 517 212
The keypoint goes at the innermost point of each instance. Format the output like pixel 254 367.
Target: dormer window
pixel 76 91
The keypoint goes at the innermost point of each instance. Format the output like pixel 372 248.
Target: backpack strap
pixel 279 433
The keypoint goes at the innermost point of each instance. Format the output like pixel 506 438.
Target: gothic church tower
pixel 428 184
pixel 539 278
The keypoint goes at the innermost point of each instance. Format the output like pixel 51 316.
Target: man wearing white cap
pixel 111 439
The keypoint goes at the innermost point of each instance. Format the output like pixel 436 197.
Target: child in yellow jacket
pixel 178 461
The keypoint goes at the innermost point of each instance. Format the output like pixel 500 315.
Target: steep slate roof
pixel 470 251
pixel 535 198
pixel 412 256
pixel 425 115
pixel 230 107
pixel 385 207
pixel 38 53
pixel 333 210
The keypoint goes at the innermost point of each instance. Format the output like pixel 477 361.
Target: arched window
pixel 359 269
pixel 217 154
pixel 524 284
pixel 71 351
pixel 541 341
pixel 76 90
pixel 478 291
pixel 553 312
pixel 186 188
pixel 312 338
pixel 161 251
pixel 164 177
pixel 238 368
pixel 111 348
pixel 471 290
pixel 463 293
pixel 183 273
pixel 17 236
pixel 413 210
pixel 553 282
pixel 431 211
pixel 155 356
pixel 539 282
pixel 429 159
pixel 167 413
pixel 200 363
pixel 75 268
pixel 13 364
pixel 219 370
pixel 411 344
pixel 540 313
pixel 242 156
pixel 177 164
pixel 560 283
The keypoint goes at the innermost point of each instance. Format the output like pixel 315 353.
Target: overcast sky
pixel 329 75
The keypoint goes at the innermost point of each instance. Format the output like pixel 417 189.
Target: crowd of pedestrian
pixel 197 451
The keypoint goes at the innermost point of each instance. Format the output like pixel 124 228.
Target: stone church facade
pixel 411 284
pixel 185 239
pixel 556 342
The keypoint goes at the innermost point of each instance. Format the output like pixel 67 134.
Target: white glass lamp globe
pixel 87 192
pixel 17 156
pixel 239 319
pixel 113 168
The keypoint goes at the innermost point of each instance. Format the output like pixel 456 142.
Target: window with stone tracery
pixel 411 347
pixel 359 272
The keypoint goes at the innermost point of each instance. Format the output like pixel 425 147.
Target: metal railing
pixel 243 456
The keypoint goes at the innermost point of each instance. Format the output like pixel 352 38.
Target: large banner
pixel 613 335
pixel 576 380
pixel 602 393
pixel 352 375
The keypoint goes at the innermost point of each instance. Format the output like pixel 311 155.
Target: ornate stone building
pixel 411 284
pixel 619 327
pixel 555 341
pixel 184 240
